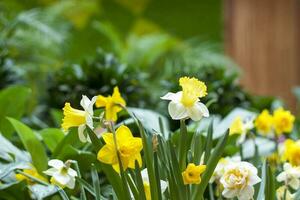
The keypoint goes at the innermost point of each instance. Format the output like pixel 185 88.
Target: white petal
pixel 50 171
pixel 197 111
pixel 242 138
pixel 172 96
pixel 229 193
pixel 294 183
pixel 163 185
pixel 57 164
pixel 177 110
pixel 85 102
pixel 72 172
pixel 246 194
pixel 71 183
pixel 254 179
pixel 81 135
pixel 144 174
pixel 287 166
pixel 61 178
pixel 281 177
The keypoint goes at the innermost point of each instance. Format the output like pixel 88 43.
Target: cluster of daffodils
pixel 282 121
pixel 235 178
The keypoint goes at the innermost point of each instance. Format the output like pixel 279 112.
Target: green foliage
pixel 31 144
pixel 13 102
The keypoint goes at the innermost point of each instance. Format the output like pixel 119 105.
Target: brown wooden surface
pixel 263 37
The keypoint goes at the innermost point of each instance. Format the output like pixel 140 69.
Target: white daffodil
pixel 62 174
pixel 220 168
pixel 241 127
pixel 145 177
pixel 290 176
pixel 79 118
pixel 186 103
pixel 238 180
pixel 283 193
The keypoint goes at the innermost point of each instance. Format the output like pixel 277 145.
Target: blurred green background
pixel 63 49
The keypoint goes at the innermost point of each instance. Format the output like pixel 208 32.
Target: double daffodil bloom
pixel 290 176
pixel 33 172
pixel 238 180
pixel 112 104
pixel 192 173
pixel 283 193
pixel 283 121
pixel 186 103
pixel 79 118
pixel 129 148
pixel 241 127
pixel 264 123
pixel 62 174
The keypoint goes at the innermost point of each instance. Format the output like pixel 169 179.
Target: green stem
pixel 83 194
pixel 182 145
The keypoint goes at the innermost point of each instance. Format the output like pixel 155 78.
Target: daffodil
pixel 33 172
pixel 112 104
pixel 62 174
pixel 127 146
pixel 283 193
pixel 79 118
pixel 186 103
pixel 241 128
pixel 220 168
pixel 238 180
pixel 291 152
pixel 283 121
pixel 192 173
pixel 290 176
pixel 264 123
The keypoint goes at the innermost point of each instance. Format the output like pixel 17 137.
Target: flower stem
pixel 182 145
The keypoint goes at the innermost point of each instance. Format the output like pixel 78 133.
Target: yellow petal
pixel 101 101
pixel 72 117
pixel 117 98
pixel 123 133
pixel 108 138
pixel 107 154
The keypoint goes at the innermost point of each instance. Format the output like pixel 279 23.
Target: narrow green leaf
pixel 139 180
pixel 70 139
pixel 270 186
pixel 211 165
pixel 62 193
pixel 31 144
pixel 86 185
pixel 197 147
pixel 208 144
pixel 182 145
pixel 261 192
pixel 96 182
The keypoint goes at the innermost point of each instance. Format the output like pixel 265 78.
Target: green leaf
pixel 209 141
pixel 270 186
pixel 261 192
pixel 96 182
pixel 31 144
pixel 13 101
pixel 211 165
pixel 52 137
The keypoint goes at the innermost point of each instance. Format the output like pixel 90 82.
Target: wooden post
pixel 263 37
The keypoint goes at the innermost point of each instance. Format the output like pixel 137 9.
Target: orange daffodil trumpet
pixel 186 103
pixel 79 118
pixel 112 104
pixel 125 144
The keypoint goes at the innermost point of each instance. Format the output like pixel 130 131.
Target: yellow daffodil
pixel 192 173
pixel 129 148
pixel 283 121
pixel 291 152
pixel 33 172
pixel 241 127
pixel 264 123
pixel 113 104
pixel 238 180
pixel 186 103
pixel 79 118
